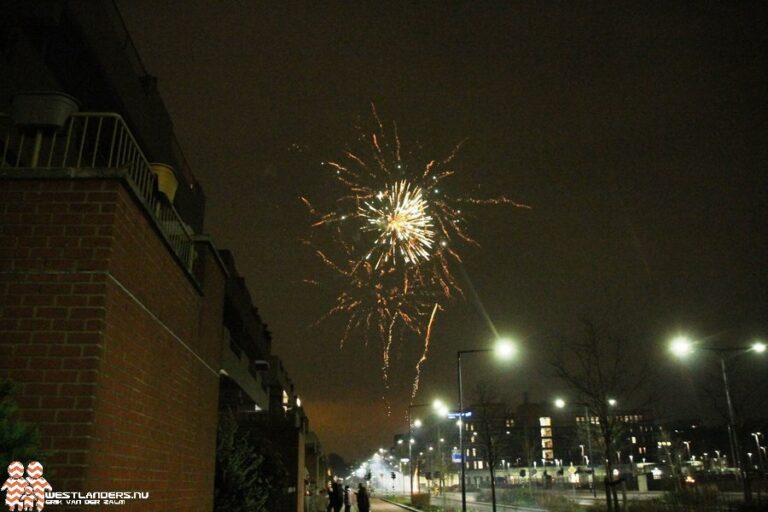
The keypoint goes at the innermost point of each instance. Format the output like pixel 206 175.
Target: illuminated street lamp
pixel 560 404
pixel 683 346
pixel 504 349
pixel 441 409
pixel 757 435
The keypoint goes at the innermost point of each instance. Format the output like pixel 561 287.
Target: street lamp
pixel 757 435
pixel 560 404
pixel 688 448
pixel 504 349
pixel 682 346
pixel 441 409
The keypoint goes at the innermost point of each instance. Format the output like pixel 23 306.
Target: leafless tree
pixel 489 417
pixel 601 369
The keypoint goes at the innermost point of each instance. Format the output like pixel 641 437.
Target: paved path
pixel 382 506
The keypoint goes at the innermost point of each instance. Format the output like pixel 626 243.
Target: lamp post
pixel 442 410
pixel 560 403
pixel 503 349
pixel 757 435
pixel 688 448
pixel 411 441
pixel 682 347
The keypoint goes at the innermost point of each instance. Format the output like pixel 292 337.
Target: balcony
pixel 97 141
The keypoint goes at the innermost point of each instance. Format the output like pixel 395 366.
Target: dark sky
pixel 636 132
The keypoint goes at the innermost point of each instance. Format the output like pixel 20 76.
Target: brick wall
pixel 115 348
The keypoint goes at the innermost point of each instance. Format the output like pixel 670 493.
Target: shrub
pixel 18 440
pixel 421 501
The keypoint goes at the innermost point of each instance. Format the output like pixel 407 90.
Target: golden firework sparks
pixel 399 217
pixel 397 233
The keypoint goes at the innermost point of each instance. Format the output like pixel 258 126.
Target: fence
pixel 96 140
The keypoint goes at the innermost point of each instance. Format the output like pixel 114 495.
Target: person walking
pixel 363 503
pixel 336 496
pixel 347 500
pixel 330 501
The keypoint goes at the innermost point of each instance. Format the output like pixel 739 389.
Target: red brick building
pixel 120 324
pixel 115 343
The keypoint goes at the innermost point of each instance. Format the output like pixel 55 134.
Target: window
pixel 546 443
pixel 479 464
pixel 634 440
pixel 545 421
pixel 546 432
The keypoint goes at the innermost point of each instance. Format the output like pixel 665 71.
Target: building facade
pixel 126 331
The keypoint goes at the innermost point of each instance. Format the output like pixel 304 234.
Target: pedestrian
pixel 336 496
pixel 363 503
pixel 347 500
pixel 321 501
pixel 329 495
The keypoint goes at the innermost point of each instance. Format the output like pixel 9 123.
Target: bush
pixel 250 474
pixel 239 485
pixel 18 440
pixel 421 501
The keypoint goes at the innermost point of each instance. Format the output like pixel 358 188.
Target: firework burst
pixel 399 218
pixel 397 235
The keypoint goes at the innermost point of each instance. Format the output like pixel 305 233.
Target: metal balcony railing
pixel 96 140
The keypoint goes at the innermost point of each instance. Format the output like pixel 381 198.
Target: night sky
pixel 637 133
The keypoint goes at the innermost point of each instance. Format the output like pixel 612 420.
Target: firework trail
pixel 423 357
pixel 392 237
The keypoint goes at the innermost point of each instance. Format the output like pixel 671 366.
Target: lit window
pixel 634 440
pixel 546 432
pixel 545 421
pixel 479 464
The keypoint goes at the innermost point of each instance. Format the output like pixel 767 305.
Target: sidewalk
pixel 382 506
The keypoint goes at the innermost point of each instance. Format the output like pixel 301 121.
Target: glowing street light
pixel 560 404
pixel 441 409
pixel 682 346
pixel 503 349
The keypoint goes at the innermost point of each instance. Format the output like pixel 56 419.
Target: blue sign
pixel 456 457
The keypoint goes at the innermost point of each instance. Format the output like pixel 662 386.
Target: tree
pixel 600 368
pixel 239 485
pixel 489 416
pixel 18 440
pixel 250 474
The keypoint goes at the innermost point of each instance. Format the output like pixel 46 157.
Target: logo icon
pixel 25 493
